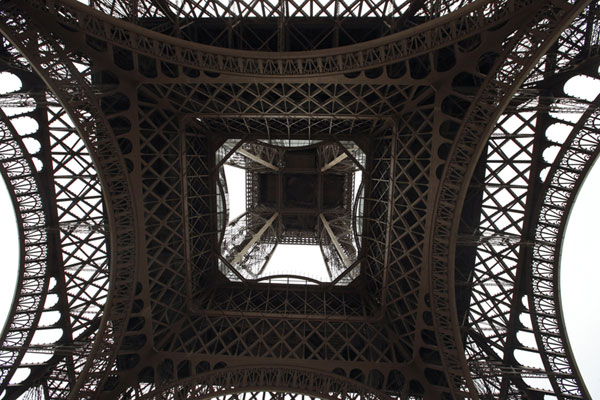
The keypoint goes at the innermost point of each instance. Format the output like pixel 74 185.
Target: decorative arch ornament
pixel 281 379
pixel 73 91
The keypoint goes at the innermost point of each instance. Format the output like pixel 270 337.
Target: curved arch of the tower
pixel 404 139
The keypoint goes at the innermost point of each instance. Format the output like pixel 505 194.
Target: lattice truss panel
pixel 201 208
pixel 68 75
pixel 239 330
pixel 266 396
pixel 32 286
pixel 282 109
pixel 354 101
pixel 504 308
pixel 230 24
pixel 159 144
pixel 76 283
pixel 217 386
pixel 271 155
pixel 498 238
pixel 153 112
pixel 252 264
pixel 83 236
pixel 417 123
pixel 564 179
pixel 402 158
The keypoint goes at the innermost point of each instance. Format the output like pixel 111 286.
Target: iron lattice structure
pixel 120 203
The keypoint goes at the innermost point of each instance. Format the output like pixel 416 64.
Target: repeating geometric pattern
pixel 137 103
pixel 287 29
pixel 498 239
pixel 503 243
pixel 75 224
pixel 69 77
pixel 564 179
pixel 506 368
pixel 32 287
pixel 81 219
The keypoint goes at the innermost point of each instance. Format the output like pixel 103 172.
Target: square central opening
pixel 305 197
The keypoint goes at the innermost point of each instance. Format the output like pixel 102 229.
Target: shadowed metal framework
pixel 453 290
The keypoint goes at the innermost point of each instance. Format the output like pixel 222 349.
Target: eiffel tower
pixel 403 140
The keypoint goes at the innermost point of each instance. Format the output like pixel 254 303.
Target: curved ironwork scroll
pixel 521 55
pixel 288 379
pixel 564 180
pixel 21 178
pixel 52 62
pixel 476 17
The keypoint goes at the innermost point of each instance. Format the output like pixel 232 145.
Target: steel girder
pixel 151 111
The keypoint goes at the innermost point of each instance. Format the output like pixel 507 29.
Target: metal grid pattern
pixel 153 110
pixel 32 287
pixel 105 33
pixel 73 87
pixel 512 71
pixel 499 241
pixel 232 22
pixel 563 181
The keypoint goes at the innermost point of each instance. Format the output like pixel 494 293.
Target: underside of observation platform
pixel 405 139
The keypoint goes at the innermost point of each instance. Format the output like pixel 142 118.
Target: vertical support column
pixel 184 206
pixel 254 239
pixel 257 159
pixel 334 162
pixel 390 214
pixel 281 26
pixel 335 241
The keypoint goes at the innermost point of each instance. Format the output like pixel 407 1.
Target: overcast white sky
pixel 580 280
pixel 580 275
